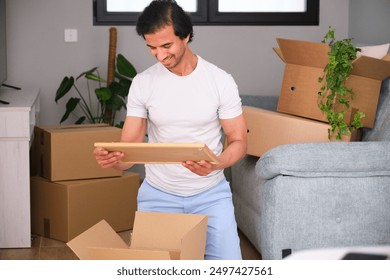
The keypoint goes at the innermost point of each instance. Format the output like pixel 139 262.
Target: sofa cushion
pixel 327 159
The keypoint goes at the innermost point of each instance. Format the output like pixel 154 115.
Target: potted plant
pixel 110 97
pixel 335 96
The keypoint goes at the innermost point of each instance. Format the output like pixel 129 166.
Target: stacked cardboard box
pixel 70 192
pixel 268 129
pixel 75 201
pixel 298 118
pixel 65 152
pixel 305 62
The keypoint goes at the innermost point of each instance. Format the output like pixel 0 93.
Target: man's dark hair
pixel 161 13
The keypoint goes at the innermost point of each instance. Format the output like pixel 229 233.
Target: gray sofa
pixel 316 195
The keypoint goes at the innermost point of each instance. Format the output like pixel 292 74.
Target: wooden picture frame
pixel 161 153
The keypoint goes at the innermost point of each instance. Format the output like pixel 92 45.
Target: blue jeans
pixel 222 237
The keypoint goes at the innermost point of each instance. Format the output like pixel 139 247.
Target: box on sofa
pixel 268 129
pixel 305 62
pixel 316 195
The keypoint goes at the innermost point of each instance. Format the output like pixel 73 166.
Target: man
pixel 184 98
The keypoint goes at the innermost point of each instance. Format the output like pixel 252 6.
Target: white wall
pixel 39 57
pixel 369 21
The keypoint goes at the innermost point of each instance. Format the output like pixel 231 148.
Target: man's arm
pixel 133 131
pixel 236 135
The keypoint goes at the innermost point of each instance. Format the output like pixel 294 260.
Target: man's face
pixel 166 47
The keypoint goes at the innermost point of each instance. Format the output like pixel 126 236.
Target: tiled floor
pixel 48 249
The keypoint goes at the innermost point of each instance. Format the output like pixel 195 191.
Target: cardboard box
pixel 63 210
pixel 155 236
pixel 305 62
pixel 268 129
pixel 66 152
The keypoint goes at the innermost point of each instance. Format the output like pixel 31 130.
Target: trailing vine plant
pixel 334 96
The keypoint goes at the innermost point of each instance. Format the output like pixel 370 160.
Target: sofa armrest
pixel 267 102
pixel 327 159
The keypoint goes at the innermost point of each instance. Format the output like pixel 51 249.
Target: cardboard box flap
pixel 278 51
pixel 163 230
pixel 314 54
pixel 75 126
pixel 53 130
pixel 100 235
pixel 378 69
pixel 97 253
pixel 190 242
pixel 304 53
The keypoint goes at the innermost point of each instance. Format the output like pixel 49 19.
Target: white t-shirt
pixel 184 109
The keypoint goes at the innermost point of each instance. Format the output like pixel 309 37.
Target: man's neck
pixel 187 65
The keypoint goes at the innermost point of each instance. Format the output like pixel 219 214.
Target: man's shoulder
pixel 212 68
pixel 150 71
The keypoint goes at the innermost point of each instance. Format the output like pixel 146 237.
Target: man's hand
pixel 202 168
pixel 107 159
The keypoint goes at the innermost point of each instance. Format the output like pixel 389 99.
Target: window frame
pixel 207 14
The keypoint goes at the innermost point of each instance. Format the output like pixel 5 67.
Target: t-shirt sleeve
pixel 230 100
pixel 135 99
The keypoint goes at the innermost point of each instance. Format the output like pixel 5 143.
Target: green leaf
pixel 124 87
pixel 356 119
pixel 120 124
pixel 94 77
pixel 124 67
pixel 115 88
pixel 86 72
pixel 64 87
pixel 80 120
pixel 70 106
pixel 115 103
pixel 103 94
pixel 344 130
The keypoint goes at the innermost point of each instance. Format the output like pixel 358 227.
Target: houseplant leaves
pixel 110 98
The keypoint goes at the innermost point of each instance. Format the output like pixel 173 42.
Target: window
pixel 216 12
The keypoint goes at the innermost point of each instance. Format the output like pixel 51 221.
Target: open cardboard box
pixel 64 152
pixel 155 236
pixel 305 62
pixel 268 129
